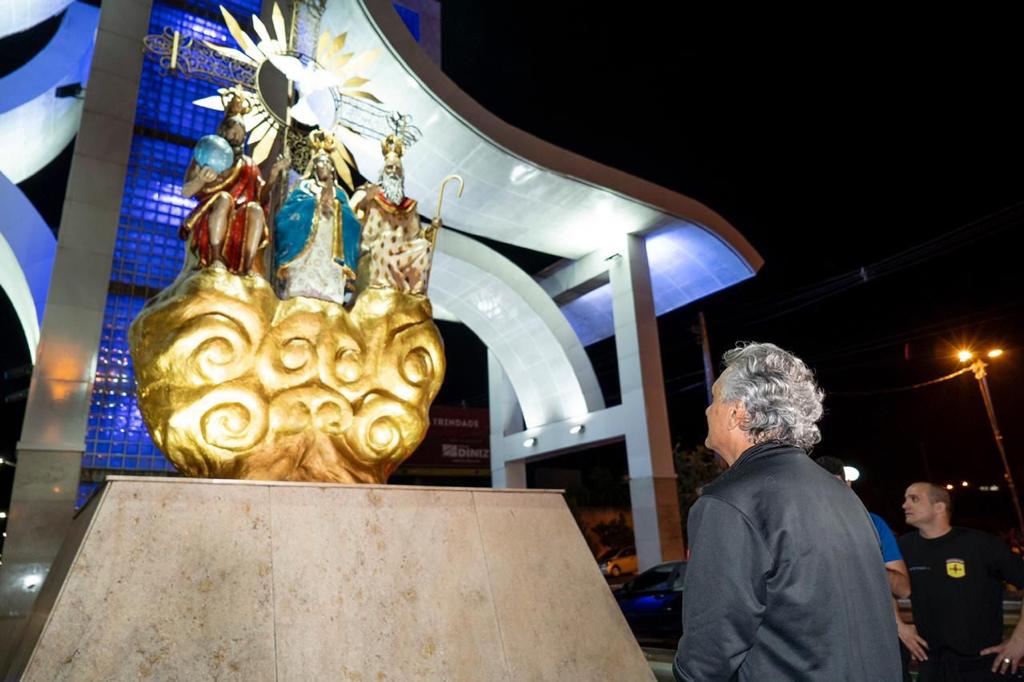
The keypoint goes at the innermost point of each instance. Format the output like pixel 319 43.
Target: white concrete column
pixel 512 474
pixel 652 483
pixel 506 417
pixel 56 415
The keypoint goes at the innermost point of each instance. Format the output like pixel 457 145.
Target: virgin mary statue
pixel 316 235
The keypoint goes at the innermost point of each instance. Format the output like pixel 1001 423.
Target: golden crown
pixel 392 144
pixel 322 142
pixel 235 102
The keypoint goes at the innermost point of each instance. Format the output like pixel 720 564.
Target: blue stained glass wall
pixel 148 254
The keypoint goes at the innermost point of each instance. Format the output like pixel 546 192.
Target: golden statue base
pixel 235 383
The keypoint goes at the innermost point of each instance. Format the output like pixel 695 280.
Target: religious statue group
pixel 298 342
pixel 322 242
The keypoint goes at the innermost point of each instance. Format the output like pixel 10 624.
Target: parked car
pixel 652 604
pixel 618 562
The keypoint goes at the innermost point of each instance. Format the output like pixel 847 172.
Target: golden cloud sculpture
pixel 235 383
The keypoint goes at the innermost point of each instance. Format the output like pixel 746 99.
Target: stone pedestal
pixel 195 579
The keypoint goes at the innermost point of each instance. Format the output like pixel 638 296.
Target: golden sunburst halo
pixel 331 69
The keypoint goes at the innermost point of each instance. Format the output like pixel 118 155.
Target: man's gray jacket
pixel 786 579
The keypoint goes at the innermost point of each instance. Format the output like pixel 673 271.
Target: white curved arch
pixel 27 250
pixel 549 370
pixel 35 124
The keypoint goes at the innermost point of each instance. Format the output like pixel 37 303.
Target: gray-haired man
pixel 785 579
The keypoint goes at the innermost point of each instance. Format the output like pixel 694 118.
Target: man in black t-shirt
pixel 956 583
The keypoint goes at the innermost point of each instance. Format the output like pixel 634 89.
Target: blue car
pixel 652 604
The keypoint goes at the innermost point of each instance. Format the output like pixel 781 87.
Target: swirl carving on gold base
pixel 235 383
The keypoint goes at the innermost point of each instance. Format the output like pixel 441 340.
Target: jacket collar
pixel 758 452
pixel 764 450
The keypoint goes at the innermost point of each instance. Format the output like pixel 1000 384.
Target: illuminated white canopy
pixel 523 191
pixel 519 189
pixel 527 192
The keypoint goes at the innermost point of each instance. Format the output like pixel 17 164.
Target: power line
pixel 974 231
pixel 688 387
pixel 875 343
pixel 923 331
pixel 900 389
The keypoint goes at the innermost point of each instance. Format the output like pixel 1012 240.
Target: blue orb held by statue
pixel 215 152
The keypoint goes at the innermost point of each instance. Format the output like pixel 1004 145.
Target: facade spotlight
pixel 579 428
pixel 529 442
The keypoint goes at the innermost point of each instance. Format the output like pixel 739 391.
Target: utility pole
pixel 979 367
pixel 709 368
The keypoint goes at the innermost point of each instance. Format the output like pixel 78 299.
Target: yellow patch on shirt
pixel 955 568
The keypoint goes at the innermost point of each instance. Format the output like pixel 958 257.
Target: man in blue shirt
pixel 887 539
pixel 895 568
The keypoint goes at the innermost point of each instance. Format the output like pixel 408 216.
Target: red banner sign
pixel 457 438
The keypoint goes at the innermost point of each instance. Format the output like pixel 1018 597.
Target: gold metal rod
pixel 174 50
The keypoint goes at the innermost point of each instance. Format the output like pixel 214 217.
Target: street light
pixel 978 366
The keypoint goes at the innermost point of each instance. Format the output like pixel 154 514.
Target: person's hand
pixel 429 231
pixel 326 201
pixel 915 644
pixel 1008 655
pixel 207 174
pixel 281 164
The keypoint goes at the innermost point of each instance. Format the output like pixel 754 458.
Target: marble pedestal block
pixel 165 578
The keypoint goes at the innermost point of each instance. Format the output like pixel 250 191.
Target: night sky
pixel 843 151
pixel 852 143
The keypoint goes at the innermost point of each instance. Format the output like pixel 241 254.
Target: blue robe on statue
pixel 296 223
